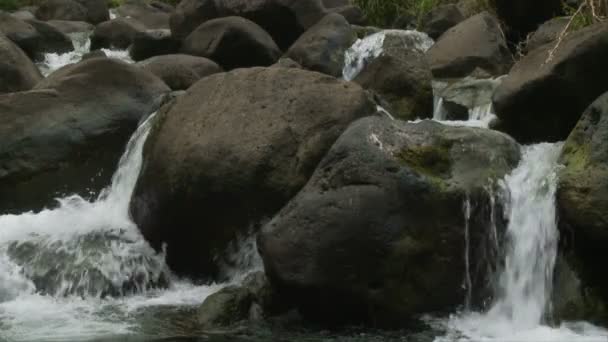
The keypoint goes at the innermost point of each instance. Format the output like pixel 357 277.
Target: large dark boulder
pixel 322 47
pixel 232 42
pixel 116 33
pixel 353 14
pixel 582 197
pixel 66 135
pixel 17 72
pixel 524 16
pixel 152 43
pixel 232 151
pixel 180 72
pixel 441 19
pixel 151 16
pixel 34 37
pixel 379 233
pixel 284 20
pixel 476 43
pixel 92 11
pixel 544 95
pixel 401 76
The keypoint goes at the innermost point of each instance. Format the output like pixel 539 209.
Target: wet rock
pixel 69 27
pixel 232 151
pixel 401 77
pixel 284 20
pixel 94 54
pixel 386 207
pixel 477 42
pixel 345 8
pixel 582 198
pixel 226 307
pixel 152 15
pixel 92 11
pixel 232 42
pixel 117 33
pixel 23 15
pixel 287 63
pixel 467 94
pixel 152 43
pixel 179 72
pixel 322 47
pixel 544 95
pixel 441 19
pixel 17 72
pixel 66 135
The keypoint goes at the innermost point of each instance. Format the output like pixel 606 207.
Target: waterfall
pixel 520 308
pixel 83 270
pixel 82 45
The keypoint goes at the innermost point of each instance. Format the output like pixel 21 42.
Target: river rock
pixel 322 47
pixel 230 152
pixel 441 19
pixel 65 136
pixel 232 42
pixel 476 43
pixel 467 94
pixel 543 97
pixel 179 72
pixel 377 236
pixel 401 76
pixel 92 11
pixel 151 15
pixel 116 33
pixel 17 72
pixel 548 32
pixel 70 27
pixel 152 43
pixel 23 14
pixel 284 20
pixel 34 37
pixel 582 198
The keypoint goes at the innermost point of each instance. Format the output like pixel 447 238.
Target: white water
pixel 369 48
pixel 82 249
pixel 82 46
pixel 520 310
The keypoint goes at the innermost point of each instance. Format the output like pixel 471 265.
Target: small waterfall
pixel 520 308
pixel 82 45
pixel 369 48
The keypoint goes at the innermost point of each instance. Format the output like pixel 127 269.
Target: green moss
pixel 576 157
pixel 433 161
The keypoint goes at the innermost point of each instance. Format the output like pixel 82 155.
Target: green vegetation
pixel 383 13
pixel 11 5
pixel 587 13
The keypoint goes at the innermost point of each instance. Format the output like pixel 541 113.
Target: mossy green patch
pixel 429 160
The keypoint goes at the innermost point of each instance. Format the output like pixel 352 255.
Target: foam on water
pixel 58 266
pixel 519 311
pixel 82 46
pixel 369 48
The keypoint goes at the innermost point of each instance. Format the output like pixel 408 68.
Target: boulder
pixel 476 43
pixel 34 37
pixel 322 47
pixel 152 43
pixel 544 95
pixel 94 54
pixel 232 42
pixel 284 20
pixel 230 152
pixel 23 15
pixel 151 16
pixel 180 72
pixel 92 11
pixel 466 95
pixel 441 19
pixel 228 306
pixel 378 235
pixel 287 63
pixel 582 198
pixel 70 27
pixel 524 16
pixel 401 76
pixel 546 33
pixel 353 14
pixel 116 33
pixel 65 136
pixel 17 72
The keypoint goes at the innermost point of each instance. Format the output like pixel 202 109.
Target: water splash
pixel 369 48
pixel 519 310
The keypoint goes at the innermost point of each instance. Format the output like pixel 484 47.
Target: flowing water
pixel 82 46
pixel 82 270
